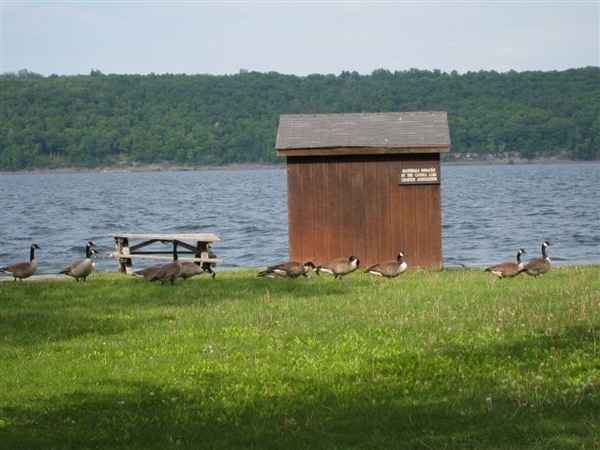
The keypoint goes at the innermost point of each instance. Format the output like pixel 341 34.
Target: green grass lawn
pixel 431 360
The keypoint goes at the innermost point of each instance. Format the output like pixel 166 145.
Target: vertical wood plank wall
pixel 354 205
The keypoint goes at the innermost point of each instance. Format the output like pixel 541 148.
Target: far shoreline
pixel 165 167
pixel 141 168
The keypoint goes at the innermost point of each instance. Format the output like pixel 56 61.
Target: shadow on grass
pixel 311 416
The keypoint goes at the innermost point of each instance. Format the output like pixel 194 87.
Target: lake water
pixel 488 213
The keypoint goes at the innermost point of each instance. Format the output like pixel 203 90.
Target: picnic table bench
pixel 197 244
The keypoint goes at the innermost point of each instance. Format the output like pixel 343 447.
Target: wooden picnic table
pixel 197 244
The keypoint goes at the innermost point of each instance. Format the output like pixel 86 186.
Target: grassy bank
pixel 434 359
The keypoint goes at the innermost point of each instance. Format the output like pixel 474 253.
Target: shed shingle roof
pixel 366 130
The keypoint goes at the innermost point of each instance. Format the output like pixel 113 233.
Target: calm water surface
pixel 488 213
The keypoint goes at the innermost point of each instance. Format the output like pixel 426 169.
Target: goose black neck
pixel 88 251
pixel 544 255
pixel 32 253
pixel 518 256
pixel 175 257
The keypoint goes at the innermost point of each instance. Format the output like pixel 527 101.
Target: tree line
pixel 208 120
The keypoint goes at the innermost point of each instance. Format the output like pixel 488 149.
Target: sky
pixel 296 37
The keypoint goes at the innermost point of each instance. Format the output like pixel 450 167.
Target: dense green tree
pixel 97 120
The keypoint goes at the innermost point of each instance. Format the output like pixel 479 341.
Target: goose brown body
pixel 339 266
pixel 289 269
pixel 190 269
pixel 23 269
pixel 389 269
pixel 81 269
pixel 147 272
pixel 168 272
pixel 508 269
pixel 540 266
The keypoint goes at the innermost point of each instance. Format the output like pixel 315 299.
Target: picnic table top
pixel 200 237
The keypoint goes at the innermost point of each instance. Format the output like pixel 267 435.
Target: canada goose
pixel 538 267
pixel 81 269
pixel 23 269
pixel 389 269
pixel 170 271
pixel 147 272
pixel 289 269
pixel 190 269
pixel 508 269
pixel 339 266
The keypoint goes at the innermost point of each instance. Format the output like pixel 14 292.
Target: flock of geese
pixel 536 267
pixel 174 270
pixel 79 270
pixel 338 267
pixel 390 269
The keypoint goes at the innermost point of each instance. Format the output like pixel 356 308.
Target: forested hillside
pixel 102 120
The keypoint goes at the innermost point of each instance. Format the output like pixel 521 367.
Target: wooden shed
pixel 366 185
